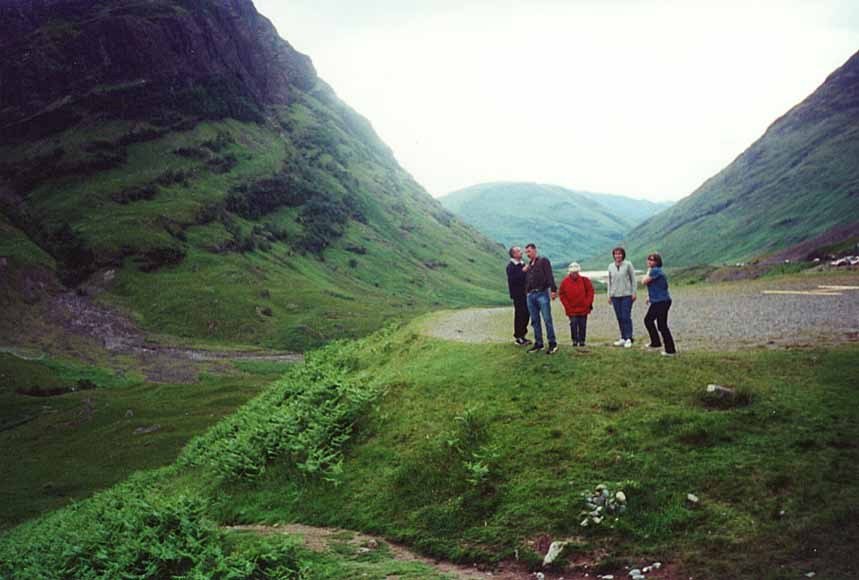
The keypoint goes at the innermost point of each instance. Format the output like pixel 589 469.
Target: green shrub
pixel 137 530
pixel 306 417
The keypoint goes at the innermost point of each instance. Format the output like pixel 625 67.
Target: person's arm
pixel 652 274
pixel 589 294
pixel 608 285
pixel 511 276
pixel 631 274
pixel 547 265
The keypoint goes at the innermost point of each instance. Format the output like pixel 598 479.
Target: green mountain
pixel 798 181
pixel 566 225
pixel 186 165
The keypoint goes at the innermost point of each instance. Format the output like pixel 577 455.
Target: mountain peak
pixel 63 52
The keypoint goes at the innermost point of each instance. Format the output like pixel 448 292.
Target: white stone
pixel 555 549
pixel 620 496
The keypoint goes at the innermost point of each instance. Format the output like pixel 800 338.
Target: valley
pixel 239 340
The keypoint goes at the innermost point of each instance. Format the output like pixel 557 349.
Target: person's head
pixel 574 269
pixel 531 251
pixel 515 253
pixel 619 254
pixel 654 261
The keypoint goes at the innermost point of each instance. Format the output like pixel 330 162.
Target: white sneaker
pixel 627 343
pixel 619 342
pixel 663 353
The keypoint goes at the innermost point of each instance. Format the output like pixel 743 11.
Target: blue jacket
pixel 657 290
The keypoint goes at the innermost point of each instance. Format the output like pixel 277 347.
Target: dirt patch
pixel 80 316
pixel 321 539
pixel 810 249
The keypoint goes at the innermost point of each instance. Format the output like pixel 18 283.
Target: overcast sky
pixel 641 98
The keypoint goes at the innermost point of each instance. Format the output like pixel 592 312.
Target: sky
pixel 642 98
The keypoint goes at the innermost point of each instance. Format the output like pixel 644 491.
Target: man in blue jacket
pixel 516 285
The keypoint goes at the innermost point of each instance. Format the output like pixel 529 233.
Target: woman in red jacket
pixel 577 296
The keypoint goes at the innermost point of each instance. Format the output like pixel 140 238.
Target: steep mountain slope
pixel 799 180
pixel 189 156
pixel 567 225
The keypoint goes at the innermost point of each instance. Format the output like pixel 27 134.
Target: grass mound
pixel 478 453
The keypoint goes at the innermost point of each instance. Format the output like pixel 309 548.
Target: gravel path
pixel 795 311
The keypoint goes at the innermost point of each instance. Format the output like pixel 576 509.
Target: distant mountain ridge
pixel 798 181
pixel 566 224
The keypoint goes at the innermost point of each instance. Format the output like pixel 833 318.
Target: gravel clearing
pixel 802 310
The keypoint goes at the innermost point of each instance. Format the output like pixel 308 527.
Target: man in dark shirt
pixel 541 290
pixel 516 285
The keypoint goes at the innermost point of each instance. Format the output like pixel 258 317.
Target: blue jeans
pixel 623 311
pixel 540 304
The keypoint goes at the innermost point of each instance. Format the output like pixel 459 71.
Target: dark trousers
pixel 578 328
pixel 520 316
pixel 658 312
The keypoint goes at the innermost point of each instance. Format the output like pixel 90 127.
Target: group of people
pixel 532 289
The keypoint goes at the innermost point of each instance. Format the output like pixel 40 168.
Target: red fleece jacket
pixel 577 296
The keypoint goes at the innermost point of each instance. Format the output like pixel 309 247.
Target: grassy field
pixel 470 452
pixel 82 439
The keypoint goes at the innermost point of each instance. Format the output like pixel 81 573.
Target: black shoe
pixel 654 346
pixel 535 348
pixel 519 340
pixel 553 348
pixel 525 341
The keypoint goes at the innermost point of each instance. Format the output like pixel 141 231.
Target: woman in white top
pixel 621 294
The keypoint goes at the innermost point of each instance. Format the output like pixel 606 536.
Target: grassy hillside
pixel 798 181
pixel 228 214
pixel 407 436
pixel 567 225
